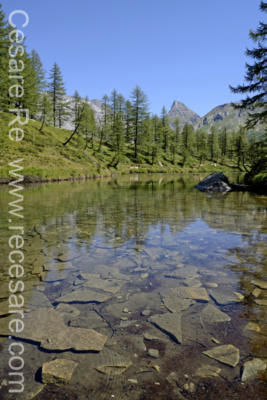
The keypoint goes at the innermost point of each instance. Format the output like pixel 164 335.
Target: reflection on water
pixel 148 285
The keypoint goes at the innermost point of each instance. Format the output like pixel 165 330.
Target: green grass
pixel 45 157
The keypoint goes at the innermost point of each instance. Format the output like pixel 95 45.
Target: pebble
pixel 135 381
pixel 190 387
pixel 146 313
pixel 144 276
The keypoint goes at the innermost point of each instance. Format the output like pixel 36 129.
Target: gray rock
pixel 252 369
pixel 216 182
pixel 58 371
pixel 194 293
pixel 226 354
pixel 84 296
pixel 169 323
pixel 177 304
pixel 224 296
pixel 211 314
pixel 46 326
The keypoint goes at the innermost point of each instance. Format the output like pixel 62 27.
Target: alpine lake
pixel 139 287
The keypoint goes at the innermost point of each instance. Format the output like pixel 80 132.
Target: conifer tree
pixel 165 128
pixel 213 145
pixel 45 109
pixel 139 113
pixel 256 76
pixel 37 65
pixel 57 92
pixel 104 129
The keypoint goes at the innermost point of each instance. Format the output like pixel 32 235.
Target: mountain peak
pixel 181 111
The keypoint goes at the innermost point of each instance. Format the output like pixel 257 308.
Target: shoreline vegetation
pixel 47 160
pixel 123 137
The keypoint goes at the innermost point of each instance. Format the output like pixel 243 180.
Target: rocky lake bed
pixel 129 297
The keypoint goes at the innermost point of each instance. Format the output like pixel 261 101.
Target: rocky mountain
pixel 181 111
pixel 95 104
pixel 223 116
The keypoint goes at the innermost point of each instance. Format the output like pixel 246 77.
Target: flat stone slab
pixel 208 371
pixel 177 304
pixel 46 326
pixel 84 296
pixel 58 371
pixel 4 308
pixel 169 323
pixel 259 283
pixel 224 297
pixel 194 293
pixel 226 354
pixel 113 364
pixel 252 369
pixel 107 285
pixel 68 310
pixel 211 314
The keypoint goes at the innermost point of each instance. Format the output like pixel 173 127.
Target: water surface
pixel 141 246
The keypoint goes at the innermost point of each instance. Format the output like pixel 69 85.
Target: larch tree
pixel 139 113
pixel 256 77
pixel 57 93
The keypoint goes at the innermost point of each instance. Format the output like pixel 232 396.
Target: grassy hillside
pixel 45 158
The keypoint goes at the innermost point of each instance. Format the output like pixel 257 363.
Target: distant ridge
pixel 222 116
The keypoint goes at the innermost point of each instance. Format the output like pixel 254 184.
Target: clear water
pixel 148 236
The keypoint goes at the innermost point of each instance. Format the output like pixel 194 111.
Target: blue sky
pixel 174 49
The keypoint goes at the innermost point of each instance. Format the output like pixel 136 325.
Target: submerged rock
pixel 113 364
pixel 224 296
pixel 259 283
pixel 194 293
pixel 207 371
pixel 46 326
pixel 252 369
pixel 211 314
pixel 177 304
pixel 84 296
pixel 58 371
pixel 169 323
pixel 216 182
pixel 70 311
pixel 226 354
pixel 94 281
